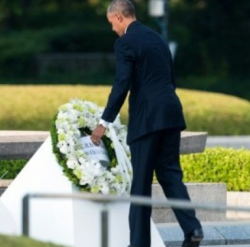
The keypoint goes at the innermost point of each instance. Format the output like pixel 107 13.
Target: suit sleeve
pixel 124 69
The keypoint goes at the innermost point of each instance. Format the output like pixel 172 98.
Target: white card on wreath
pixel 93 152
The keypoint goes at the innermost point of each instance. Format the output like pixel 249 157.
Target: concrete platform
pixel 215 234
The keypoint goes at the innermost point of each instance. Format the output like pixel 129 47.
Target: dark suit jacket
pixel 144 67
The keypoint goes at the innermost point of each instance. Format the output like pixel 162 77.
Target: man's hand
pixel 97 134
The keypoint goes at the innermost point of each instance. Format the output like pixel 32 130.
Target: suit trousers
pixel 160 152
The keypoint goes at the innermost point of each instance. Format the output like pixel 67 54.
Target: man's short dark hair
pixel 125 7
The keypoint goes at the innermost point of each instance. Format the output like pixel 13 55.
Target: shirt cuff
pixel 104 123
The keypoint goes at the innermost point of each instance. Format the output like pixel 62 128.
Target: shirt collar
pixel 131 24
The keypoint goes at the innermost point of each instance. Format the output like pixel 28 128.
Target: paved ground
pixel 215 234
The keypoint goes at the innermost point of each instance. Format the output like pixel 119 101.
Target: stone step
pixel 235 245
pixel 215 234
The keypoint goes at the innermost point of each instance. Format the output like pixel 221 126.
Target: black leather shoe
pixel 194 239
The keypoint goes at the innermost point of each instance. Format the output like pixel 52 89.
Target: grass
pixel 12 241
pixel 218 114
pixel 10 168
pixel 33 107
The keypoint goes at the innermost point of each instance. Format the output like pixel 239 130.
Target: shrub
pixel 215 165
pixel 219 165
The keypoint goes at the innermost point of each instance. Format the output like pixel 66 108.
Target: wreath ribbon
pixel 122 158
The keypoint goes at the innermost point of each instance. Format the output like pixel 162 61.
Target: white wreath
pixel 90 174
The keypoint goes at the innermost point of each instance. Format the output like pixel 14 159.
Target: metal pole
pixel 165 20
pixel 162 19
pixel 25 215
pixel 104 226
pixel 162 23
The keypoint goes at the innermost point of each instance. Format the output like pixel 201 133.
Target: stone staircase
pixel 237 245
pixel 229 234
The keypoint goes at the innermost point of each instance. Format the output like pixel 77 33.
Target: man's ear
pixel 119 17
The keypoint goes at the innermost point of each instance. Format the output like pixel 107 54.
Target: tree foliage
pixel 213 35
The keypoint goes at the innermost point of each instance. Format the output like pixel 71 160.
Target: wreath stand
pixel 63 221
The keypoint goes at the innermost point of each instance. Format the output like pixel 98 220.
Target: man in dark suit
pixel 144 67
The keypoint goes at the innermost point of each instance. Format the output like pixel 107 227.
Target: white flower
pixel 115 170
pixel 60 131
pixel 104 189
pixel 63 149
pixel 72 164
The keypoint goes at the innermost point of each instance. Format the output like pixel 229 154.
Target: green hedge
pixel 213 165
pixel 12 241
pixel 219 165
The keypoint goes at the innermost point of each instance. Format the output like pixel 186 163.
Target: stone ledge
pixel 5 182
pixel 23 136
pixel 23 144
pixel 193 142
pixel 238 199
pixel 213 193
pixel 20 144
